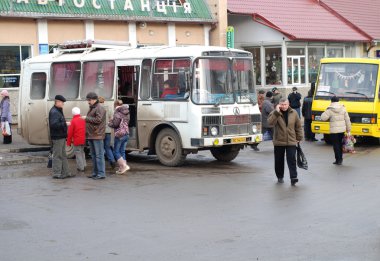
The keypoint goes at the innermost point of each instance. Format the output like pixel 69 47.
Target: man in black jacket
pixel 295 100
pixel 306 113
pixel 58 135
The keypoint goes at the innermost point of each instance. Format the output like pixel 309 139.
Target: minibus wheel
pixel 70 152
pixel 225 153
pixel 169 149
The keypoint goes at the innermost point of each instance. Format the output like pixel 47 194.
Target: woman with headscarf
pixel 6 116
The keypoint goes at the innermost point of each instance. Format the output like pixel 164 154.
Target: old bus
pixel 356 82
pixel 214 106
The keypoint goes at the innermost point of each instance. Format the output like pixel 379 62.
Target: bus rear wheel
pixel 225 153
pixel 169 149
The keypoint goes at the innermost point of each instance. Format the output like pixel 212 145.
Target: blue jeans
pixel 119 147
pixel 107 148
pixel 97 154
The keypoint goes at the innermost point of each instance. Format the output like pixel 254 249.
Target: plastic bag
pixel 348 143
pixel 301 158
pixel 6 129
pixel 267 135
pixel 50 160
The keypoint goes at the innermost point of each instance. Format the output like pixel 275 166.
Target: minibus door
pixel 36 118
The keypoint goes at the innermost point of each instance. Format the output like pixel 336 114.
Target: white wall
pixel 250 33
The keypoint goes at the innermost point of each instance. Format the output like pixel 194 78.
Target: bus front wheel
pixel 225 153
pixel 169 149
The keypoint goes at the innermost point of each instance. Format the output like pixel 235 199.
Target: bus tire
pixel 225 153
pixel 169 149
pixel 70 152
pixel 327 139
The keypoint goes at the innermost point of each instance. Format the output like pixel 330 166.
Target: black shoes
pixel 313 139
pixel 293 181
pixel 98 177
pixel 64 177
pixel 338 162
pixel 280 181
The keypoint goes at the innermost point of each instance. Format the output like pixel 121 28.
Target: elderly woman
pixel 6 116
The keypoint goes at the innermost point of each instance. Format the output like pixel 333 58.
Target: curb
pixel 28 160
pixel 17 150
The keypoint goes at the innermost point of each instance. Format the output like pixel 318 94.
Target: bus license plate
pixel 238 140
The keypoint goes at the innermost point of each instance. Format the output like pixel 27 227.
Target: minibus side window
pixel 38 86
pixel 98 77
pixel 145 79
pixel 170 79
pixel 65 80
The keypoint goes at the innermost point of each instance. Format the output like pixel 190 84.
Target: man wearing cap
pixel 295 100
pixel 58 135
pixel 96 132
pixel 276 96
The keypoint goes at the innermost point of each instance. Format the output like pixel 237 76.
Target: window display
pixel 256 63
pixel 10 66
pixel 273 66
pixel 315 56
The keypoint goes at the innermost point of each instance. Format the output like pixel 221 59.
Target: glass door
pixel 296 70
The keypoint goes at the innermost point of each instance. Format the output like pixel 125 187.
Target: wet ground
pixel 204 210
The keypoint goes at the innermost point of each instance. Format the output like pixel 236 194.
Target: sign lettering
pixel 160 6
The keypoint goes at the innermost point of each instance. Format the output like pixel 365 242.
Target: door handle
pixel 30 103
pixel 146 104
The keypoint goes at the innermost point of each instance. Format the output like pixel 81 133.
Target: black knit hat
pixel 269 94
pixel 334 99
pixel 91 96
pixel 60 98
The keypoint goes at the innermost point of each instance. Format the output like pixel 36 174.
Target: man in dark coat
pixel 306 113
pixel 295 100
pixel 58 135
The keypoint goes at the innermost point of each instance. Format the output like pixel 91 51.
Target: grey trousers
pixel 80 157
pixel 60 165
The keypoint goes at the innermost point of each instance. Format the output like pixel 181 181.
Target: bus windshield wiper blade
pixel 327 92
pixel 358 93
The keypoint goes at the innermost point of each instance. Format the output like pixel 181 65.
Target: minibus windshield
pixel 243 81
pixel 212 81
pixel 351 81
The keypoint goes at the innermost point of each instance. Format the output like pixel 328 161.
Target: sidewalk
pixel 15 153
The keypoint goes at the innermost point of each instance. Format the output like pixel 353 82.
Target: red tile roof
pixel 365 14
pixel 298 19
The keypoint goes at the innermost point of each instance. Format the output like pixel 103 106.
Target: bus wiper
pixel 327 92
pixel 358 93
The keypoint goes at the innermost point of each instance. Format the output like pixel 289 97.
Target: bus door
pixel 127 86
pixel 35 104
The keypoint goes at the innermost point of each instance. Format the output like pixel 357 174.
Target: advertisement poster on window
pixel 43 49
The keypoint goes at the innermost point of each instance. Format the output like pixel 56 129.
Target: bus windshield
pixel 351 81
pixel 214 83
pixel 243 81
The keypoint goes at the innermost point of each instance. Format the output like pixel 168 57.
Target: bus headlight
pixel 214 131
pixel 317 117
pixel 366 120
pixel 254 129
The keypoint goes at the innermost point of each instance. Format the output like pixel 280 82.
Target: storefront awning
pixel 298 19
pixel 128 10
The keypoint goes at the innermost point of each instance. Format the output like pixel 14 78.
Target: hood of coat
pixel 336 107
pixel 124 109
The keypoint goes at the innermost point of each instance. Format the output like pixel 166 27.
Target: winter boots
pixel 123 167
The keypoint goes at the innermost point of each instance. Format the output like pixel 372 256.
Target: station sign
pixel 230 37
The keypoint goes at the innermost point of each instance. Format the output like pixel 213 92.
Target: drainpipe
pixel 206 32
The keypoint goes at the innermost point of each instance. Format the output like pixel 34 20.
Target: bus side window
pixel 65 79
pixel 38 86
pixel 98 77
pixel 145 79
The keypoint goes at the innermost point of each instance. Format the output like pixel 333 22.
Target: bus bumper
pixel 221 141
pixel 356 129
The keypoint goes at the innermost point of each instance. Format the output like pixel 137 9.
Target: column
pixel 172 39
pixel 132 34
pixel 43 38
pixel 284 64
pixel 90 29
pixel 206 30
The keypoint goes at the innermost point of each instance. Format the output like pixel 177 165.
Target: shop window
pixel 315 54
pixel 145 79
pixel 98 77
pixel 170 78
pixel 296 66
pixel 38 86
pixel 335 52
pixel 65 80
pixel 10 66
pixel 273 66
pixel 256 63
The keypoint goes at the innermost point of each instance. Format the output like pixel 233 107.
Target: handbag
pixel 50 160
pixel 301 158
pixel 6 131
pixel 123 129
pixel 348 143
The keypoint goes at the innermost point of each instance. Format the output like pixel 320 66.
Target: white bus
pixel 214 105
